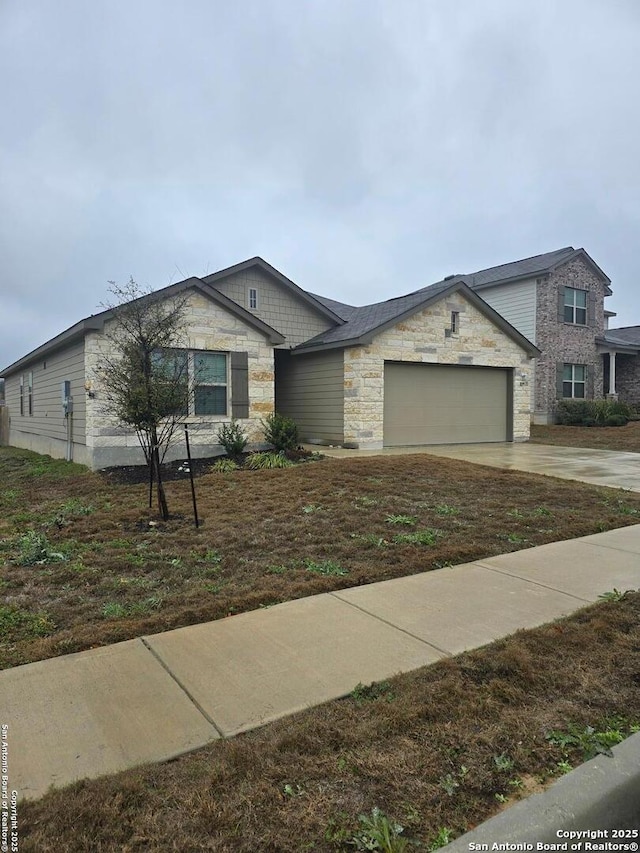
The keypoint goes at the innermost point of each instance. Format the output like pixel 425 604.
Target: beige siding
pixel 46 429
pixel 516 303
pixel 310 389
pixel 277 306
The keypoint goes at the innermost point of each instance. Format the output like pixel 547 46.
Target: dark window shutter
pixel 559 379
pixel 239 385
pixel 561 305
pixel 591 308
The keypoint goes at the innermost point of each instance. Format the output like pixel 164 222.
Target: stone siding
pixel 425 337
pixel 208 327
pixel 566 342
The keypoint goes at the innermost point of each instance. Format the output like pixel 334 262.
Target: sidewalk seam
pixel 510 574
pixel 189 696
pixel 392 625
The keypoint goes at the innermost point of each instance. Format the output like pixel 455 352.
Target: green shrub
pixel 591 412
pixel 231 437
pixel 267 460
pixel 616 421
pixel 225 465
pixel 280 431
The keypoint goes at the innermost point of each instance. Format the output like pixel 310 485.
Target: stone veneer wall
pixel 565 342
pixel 208 327
pixel 422 338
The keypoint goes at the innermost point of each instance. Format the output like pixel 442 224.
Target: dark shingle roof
pixel 519 269
pixel 369 318
pixel 340 308
pixel 629 335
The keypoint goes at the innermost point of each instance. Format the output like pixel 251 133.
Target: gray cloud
pixel 363 148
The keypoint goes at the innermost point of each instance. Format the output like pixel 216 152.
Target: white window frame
pixel 571 303
pixel 455 322
pixel 252 298
pixel 570 382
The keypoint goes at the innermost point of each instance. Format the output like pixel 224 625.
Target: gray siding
pixel 310 389
pixel 47 420
pixel 516 303
pixel 277 306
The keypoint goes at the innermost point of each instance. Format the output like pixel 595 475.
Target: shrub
pixel 223 466
pixel 591 412
pixel 616 421
pixel 231 437
pixel 267 460
pixel 573 412
pixel 280 431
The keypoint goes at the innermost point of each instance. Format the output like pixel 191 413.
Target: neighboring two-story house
pixel 557 301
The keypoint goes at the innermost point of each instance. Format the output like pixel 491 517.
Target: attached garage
pixel 446 404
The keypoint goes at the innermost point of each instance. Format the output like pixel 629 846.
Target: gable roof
pixel 319 305
pixel 370 320
pixel 530 267
pixel 96 321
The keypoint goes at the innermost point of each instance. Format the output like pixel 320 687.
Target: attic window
pixel 253 298
pixel 455 322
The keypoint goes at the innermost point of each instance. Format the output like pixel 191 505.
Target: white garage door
pixel 445 404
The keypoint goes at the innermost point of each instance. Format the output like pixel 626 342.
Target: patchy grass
pixel 83 553
pixel 435 751
pixel 600 438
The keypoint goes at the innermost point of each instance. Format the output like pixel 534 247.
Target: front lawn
pixel 85 563
pixel 599 438
pixel 436 751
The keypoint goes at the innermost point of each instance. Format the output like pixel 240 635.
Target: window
pixel 30 390
pixel 211 383
pixel 173 364
pixel 22 395
pixel 455 322
pixel 205 372
pixel 574 380
pixel 253 298
pixel 575 306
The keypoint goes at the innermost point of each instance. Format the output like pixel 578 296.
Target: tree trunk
pixel 163 509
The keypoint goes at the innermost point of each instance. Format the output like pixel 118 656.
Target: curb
pixel 602 794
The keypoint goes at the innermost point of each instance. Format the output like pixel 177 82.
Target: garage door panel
pixel 443 404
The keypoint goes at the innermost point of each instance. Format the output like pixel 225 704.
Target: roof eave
pixel 90 324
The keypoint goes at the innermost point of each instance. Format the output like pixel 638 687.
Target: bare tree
pixel 144 375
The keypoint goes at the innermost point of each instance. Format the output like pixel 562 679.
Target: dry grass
pixel 267 536
pixel 437 748
pixel 599 438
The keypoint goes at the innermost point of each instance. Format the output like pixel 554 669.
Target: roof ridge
pixel 522 260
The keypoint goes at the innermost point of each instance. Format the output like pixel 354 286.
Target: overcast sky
pixel 365 148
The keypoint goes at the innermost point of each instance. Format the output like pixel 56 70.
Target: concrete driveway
pixel 600 467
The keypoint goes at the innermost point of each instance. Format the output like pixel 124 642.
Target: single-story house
pixel 438 365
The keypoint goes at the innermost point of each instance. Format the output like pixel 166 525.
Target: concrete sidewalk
pixel 150 699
